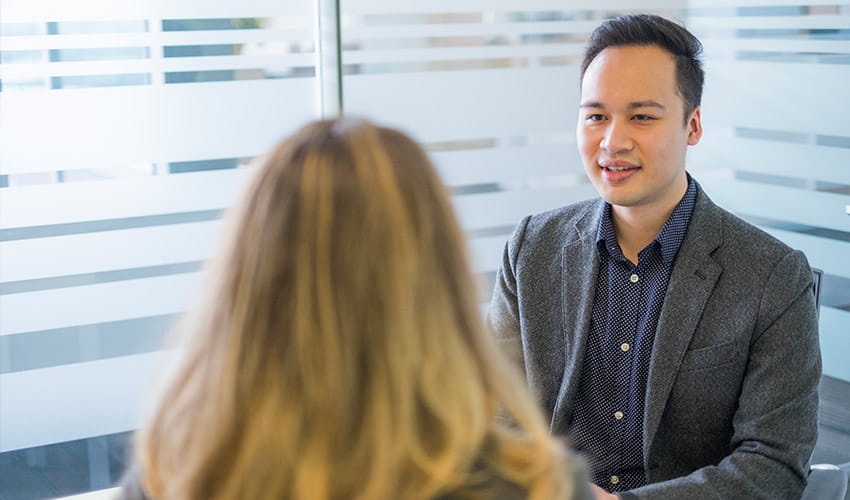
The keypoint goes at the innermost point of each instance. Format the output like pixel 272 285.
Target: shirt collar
pixel 669 238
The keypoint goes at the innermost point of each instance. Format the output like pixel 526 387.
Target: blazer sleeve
pixel 775 424
pixel 503 315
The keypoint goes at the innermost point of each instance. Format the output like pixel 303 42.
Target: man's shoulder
pixel 734 234
pixel 749 255
pixel 741 236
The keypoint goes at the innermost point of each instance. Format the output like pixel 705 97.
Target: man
pixel 675 344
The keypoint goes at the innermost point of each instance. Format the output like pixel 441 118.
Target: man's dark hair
pixel 645 29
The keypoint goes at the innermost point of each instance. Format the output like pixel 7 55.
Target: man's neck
pixel 636 227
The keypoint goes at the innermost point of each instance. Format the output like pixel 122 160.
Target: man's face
pixel 631 131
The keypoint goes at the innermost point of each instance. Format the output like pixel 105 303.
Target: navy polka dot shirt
pixel 607 419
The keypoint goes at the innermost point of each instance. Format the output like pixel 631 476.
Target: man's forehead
pixel 631 73
pixel 648 61
pixel 641 51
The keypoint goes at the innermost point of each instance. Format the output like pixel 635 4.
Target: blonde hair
pixel 340 354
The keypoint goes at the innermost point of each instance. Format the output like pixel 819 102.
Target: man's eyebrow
pixel 646 104
pixel 632 105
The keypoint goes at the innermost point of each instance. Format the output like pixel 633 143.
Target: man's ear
pixel 694 127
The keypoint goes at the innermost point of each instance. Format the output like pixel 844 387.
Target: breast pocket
pixel 705 395
pixel 706 358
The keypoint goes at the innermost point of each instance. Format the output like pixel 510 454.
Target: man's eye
pixel 595 117
pixel 642 118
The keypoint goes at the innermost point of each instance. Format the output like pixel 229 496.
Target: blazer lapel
pixel 691 282
pixel 579 267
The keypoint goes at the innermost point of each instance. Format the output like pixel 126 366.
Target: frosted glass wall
pixel 491 88
pixel 125 131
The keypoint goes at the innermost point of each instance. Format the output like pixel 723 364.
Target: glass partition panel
pixel 492 90
pixel 125 132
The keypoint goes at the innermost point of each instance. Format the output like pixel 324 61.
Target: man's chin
pixel 619 197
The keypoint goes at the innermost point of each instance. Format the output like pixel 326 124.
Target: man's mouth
pixel 617 165
pixel 619 169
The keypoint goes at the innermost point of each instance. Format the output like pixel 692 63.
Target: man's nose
pixel 616 138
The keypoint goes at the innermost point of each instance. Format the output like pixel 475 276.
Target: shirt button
pixel 625 347
pixel 618 415
pixel 615 479
pixel 634 278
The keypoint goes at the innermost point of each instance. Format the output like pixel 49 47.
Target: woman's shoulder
pixel 495 487
pixel 490 488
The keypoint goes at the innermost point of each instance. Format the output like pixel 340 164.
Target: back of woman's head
pixel 340 353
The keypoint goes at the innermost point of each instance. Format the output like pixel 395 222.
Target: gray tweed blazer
pixel 731 401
